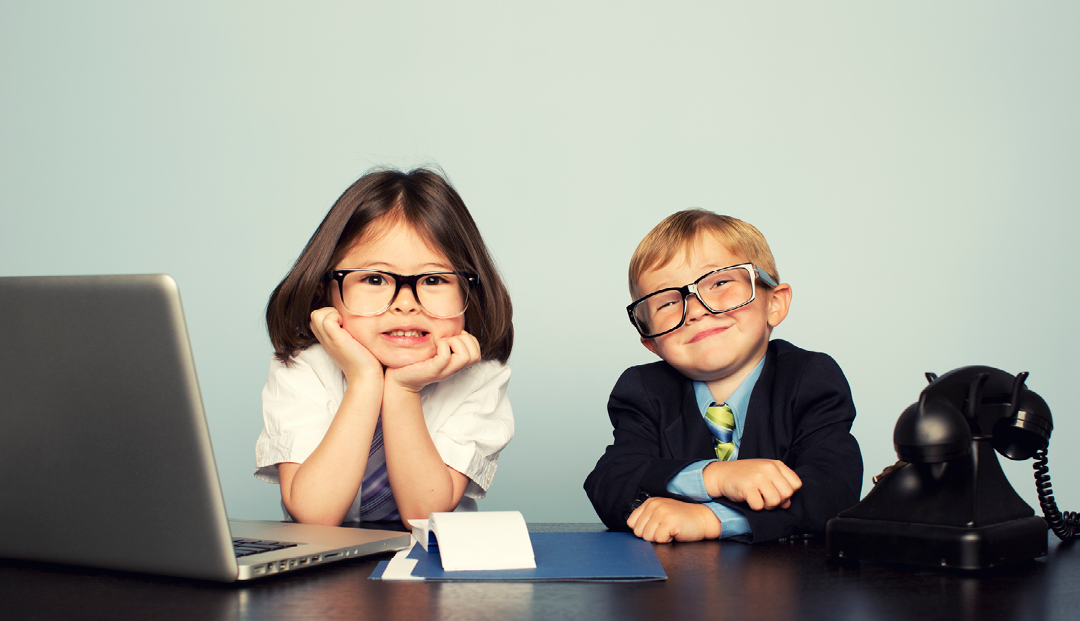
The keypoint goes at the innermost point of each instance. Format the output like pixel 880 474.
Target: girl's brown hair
pixel 423 200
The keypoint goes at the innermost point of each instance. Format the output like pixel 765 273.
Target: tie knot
pixel 721 415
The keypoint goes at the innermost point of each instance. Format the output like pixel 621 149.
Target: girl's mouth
pixel 410 333
pixel 407 337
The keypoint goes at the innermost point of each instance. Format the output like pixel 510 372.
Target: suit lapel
pixel 756 430
pixel 684 427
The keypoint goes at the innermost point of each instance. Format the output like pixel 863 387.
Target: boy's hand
pixel 762 483
pixel 351 357
pixel 452 354
pixel 661 520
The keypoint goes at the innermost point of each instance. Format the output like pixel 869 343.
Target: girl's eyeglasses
pixel 371 292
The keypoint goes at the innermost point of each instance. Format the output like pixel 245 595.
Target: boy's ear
pixel 779 303
pixel 650 344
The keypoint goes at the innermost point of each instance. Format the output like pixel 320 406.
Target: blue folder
pixel 560 557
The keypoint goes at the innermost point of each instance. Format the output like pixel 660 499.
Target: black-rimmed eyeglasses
pixel 719 291
pixel 370 292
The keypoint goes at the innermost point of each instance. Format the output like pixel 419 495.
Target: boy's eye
pixel 665 305
pixel 717 284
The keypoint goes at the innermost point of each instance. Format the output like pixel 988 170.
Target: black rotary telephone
pixel 947 502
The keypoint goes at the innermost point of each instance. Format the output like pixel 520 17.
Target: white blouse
pixel 468 416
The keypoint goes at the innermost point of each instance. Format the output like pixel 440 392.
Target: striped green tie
pixel 721 422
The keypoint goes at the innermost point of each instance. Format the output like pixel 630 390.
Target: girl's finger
pixel 444 350
pixel 472 345
pixel 466 347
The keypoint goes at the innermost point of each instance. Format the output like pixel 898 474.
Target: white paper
pixel 400 567
pixel 421 532
pixel 484 540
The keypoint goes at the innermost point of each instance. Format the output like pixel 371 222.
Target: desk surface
pixel 711 580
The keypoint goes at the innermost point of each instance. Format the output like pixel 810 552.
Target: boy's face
pixel 707 347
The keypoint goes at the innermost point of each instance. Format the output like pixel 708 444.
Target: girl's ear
pixel 324 292
pixel 779 303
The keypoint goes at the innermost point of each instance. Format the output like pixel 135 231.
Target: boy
pixel 731 435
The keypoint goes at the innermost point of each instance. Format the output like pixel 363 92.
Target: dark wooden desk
pixel 707 580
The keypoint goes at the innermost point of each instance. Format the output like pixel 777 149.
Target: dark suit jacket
pixel 800 412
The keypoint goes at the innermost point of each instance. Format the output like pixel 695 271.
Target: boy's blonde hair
pixel 685 231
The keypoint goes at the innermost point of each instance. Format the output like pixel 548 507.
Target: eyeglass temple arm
pixel 762 274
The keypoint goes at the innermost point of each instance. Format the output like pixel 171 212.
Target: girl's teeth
pixel 405 333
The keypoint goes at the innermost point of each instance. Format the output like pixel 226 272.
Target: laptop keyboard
pixel 247 547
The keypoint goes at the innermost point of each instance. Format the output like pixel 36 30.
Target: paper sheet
pixel 482 540
pixel 476 541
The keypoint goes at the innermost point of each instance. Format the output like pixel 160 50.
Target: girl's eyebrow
pixel 383 265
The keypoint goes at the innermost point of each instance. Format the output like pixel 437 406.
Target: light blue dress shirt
pixel 690 482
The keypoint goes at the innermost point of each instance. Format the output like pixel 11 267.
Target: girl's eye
pixel 434 279
pixel 375 280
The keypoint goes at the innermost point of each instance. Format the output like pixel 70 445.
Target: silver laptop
pixel 105 457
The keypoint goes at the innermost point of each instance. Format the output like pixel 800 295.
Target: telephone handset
pixel 947 502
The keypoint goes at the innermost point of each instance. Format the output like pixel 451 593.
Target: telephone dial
pixel 947 503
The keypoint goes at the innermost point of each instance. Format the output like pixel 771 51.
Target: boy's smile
pixel 404 333
pixel 722 349
pixel 707 333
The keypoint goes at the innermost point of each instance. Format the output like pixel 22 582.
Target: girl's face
pixel 404 333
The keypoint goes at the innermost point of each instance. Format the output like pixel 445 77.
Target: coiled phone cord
pixel 1065 525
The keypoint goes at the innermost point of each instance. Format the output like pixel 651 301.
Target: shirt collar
pixel 738 401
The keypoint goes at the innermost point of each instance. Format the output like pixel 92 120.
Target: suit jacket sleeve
pixel 801 414
pixel 641 460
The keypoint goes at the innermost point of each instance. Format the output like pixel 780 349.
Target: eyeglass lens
pixel 370 293
pixel 721 291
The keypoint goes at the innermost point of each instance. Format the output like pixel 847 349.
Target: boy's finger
pixel 789 474
pixel 782 492
pixel 639 526
pixel 771 497
pixel 662 535
pixel 655 532
pixel 755 501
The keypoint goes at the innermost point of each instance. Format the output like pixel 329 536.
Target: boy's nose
pixel 694 308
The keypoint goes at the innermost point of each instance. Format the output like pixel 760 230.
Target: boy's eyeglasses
pixel 370 292
pixel 718 291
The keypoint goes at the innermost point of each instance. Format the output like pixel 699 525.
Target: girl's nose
pixel 405 301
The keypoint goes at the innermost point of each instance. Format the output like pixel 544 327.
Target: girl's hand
pixel 353 358
pixel 452 354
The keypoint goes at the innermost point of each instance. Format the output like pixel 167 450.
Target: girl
pixel 387 391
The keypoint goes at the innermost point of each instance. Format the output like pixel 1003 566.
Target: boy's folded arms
pixel 760 483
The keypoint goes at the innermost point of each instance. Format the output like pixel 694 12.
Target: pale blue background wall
pixel 914 166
